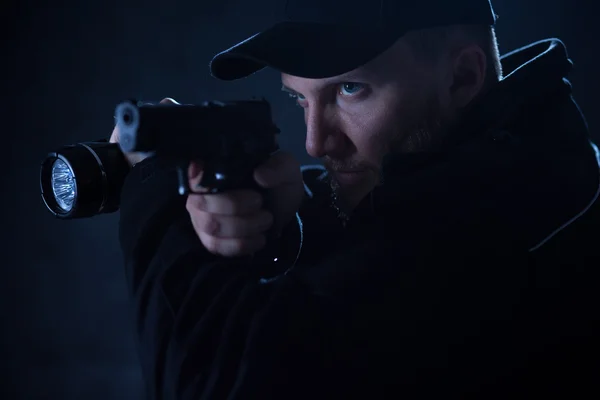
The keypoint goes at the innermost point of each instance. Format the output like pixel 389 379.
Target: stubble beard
pixel 422 135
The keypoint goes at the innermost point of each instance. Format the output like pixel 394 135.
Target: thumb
pixel 114 137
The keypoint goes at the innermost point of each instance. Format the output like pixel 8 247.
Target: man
pixel 444 253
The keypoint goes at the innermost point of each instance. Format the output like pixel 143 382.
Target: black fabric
pixel 470 273
pixel 324 38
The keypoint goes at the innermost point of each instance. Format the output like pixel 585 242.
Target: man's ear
pixel 468 75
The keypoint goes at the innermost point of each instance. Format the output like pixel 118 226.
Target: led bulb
pixel 63 184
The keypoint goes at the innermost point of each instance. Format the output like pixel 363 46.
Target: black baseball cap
pixel 324 38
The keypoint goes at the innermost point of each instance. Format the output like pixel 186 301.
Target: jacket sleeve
pixel 366 319
pixel 207 327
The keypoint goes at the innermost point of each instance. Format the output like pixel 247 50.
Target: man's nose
pixel 323 135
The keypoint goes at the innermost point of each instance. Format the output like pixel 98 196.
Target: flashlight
pixel 83 179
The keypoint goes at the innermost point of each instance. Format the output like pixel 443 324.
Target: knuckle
pixel 229 203
pixel 211 225
pixel 218 203
pixel 189 204
pixel 233 247
pixel 195 202
pixel 205 223
pixel 211 243
pixel 237 202
pixel 236 247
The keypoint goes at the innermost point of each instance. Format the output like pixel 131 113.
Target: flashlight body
pixel 229 138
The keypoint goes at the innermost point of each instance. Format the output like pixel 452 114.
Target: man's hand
pixel 235 223
pixel 134 158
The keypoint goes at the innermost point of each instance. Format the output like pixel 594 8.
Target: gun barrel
pixel 188 131
pixel 127 118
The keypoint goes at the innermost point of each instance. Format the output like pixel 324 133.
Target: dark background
pixel 66 326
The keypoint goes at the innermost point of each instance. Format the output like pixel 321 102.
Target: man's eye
pixel 299 99
pixel 296 96
pixel 350 88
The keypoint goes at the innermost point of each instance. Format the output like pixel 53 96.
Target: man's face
pixel 354 120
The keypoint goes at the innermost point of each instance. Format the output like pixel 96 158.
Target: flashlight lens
pixel 63 185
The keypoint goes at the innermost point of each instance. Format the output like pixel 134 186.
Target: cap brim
pixel 306 50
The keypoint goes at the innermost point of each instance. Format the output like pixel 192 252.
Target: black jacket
pixel 471 273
